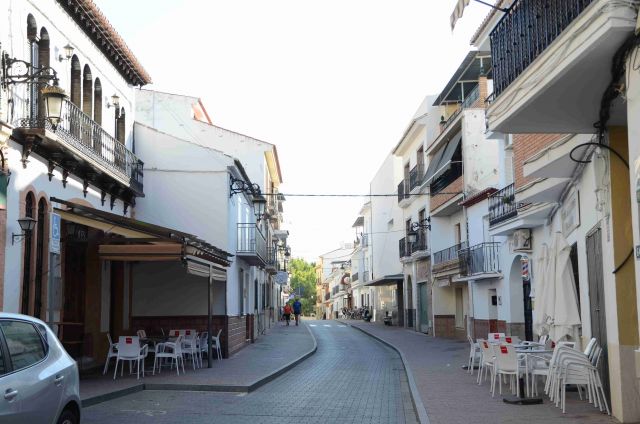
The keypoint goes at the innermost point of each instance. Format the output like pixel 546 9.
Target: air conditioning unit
pixel 521 240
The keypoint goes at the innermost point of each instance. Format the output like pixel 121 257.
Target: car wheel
pixel 68 417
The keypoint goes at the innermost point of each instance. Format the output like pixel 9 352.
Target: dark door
pixel 400 303
pixel 596 300
pixel 528 310
pixel 116 312
pixel 73 309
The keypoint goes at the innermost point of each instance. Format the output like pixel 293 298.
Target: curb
pixel 204 387
pixel 418 406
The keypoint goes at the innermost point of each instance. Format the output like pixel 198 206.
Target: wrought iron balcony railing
pixel 366 276
pixel 364 240
pixel 525 32
pixel 354 277
pixel 403 192
pixel 448 254
pixel 251 241
pixel 416 176
pixel 480 259
pixel 78 131
pixel 503 206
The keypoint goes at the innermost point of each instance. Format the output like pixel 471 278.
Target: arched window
pixel 32 28
pixel 76 85
pixel 44 60
pixel 121 126
pixel 29 206
pixel 87 91
pixel 40 281
pixel 97 102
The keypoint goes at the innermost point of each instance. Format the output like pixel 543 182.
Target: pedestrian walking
pixel 287 313
pixel 297 309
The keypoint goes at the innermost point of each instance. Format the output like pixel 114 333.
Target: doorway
pixel 409 309
pixel 423 299
pixel 73 311
pixel 459 308
pixel 400 303
pixel 596 300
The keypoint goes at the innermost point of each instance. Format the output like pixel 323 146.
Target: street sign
pixel 54 246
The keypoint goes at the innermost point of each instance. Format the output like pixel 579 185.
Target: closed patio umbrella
pixel 543 300
pixel 566 317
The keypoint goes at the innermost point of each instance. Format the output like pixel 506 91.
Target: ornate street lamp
pixel 115 101
pixel 53 97
pixel 259 204
pixel 425 224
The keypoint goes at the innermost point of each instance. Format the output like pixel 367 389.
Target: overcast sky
pixel 332 83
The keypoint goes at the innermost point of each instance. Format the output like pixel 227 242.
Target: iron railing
pixel 79 131
pixel 448 177
pixel 364 240
pixel 251 240
pixel 403 193
pixel 416 175
pixel 402 247
pixel 448 254
pixel 503 206
pixel 420 244
pixel 272 257
pixel 471 98
pixel 366 276
pixel 354 277
pixel 480 259
pixel 525 32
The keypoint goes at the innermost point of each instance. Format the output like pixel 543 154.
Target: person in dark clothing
pixel 297 310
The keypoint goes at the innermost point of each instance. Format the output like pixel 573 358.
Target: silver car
pixel 39 381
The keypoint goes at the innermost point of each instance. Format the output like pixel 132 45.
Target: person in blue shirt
pixel 297 309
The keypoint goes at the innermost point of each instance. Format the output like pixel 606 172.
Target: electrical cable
pixel 358 195
pixel 611 93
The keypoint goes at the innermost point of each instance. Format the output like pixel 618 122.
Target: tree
pixel 303 280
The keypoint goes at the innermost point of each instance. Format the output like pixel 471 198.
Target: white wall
pixel 480 155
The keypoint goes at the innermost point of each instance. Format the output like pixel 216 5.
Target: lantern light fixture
pixel 115 101
pixel 425 224
pixel 27 224
pixel 68 53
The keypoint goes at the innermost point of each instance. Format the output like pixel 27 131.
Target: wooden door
pixel 73 311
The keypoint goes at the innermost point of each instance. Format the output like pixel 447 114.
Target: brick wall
pixel 237 337
pixel 438 200
pixel 524 147
pixel 444 326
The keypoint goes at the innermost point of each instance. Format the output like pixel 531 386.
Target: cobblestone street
pixel 351 378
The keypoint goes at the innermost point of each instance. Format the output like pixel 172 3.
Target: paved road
pixel 350 379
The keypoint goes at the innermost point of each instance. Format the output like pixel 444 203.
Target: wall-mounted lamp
pixel 53 97
pixel 425 224
pixel 68 53
pixel 115 101
pixel 259 204
pixel 27 224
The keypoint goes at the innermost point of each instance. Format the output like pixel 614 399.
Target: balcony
pixel 252 245
pixel 540 51
pixel 416 175
pixel 272 265
pixel 354 277
pixel 502 205
pixel 366 276
pixel 480 261
pixel 364 240
pixel 403 192
pixel 447 260
pixel 81 146
pixel 402 248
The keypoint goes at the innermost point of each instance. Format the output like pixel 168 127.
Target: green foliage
pixel 303 275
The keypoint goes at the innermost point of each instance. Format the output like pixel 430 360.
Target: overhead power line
pixel 358 195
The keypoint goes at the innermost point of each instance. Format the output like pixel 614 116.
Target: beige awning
pixel 141 252
pixel 100 225
pixel 457 12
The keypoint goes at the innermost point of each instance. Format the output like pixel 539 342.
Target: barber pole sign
pixel 525 269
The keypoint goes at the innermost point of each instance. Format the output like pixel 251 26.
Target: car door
pixel 33 386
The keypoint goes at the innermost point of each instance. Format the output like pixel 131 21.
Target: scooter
pixel 366 316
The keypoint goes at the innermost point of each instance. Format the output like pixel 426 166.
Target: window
pixel 24 343
pixel 3 363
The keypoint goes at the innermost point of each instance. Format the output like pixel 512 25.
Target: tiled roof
pixel 93 22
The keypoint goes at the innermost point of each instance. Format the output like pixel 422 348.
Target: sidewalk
pixel 278 350
pixel 450 395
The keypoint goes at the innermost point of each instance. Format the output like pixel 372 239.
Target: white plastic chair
pixel 506 363
pixel 111 353
pixel 142 334
pixel 129 350
pixel 514 340
pixel 495 337
pixel 487 362
pixel 171 350
pixel 190 347
pixel 215 344
pixel 474 352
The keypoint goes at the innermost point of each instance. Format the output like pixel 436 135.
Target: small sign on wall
pixel 54 246
pixel 570 213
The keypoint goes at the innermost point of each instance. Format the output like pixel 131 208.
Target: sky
pixel 332 83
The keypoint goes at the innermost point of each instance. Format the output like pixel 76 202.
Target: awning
pixel 140 241
pixel 441 160
pixel 458 12
pixel 202 268
pixel 387 280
